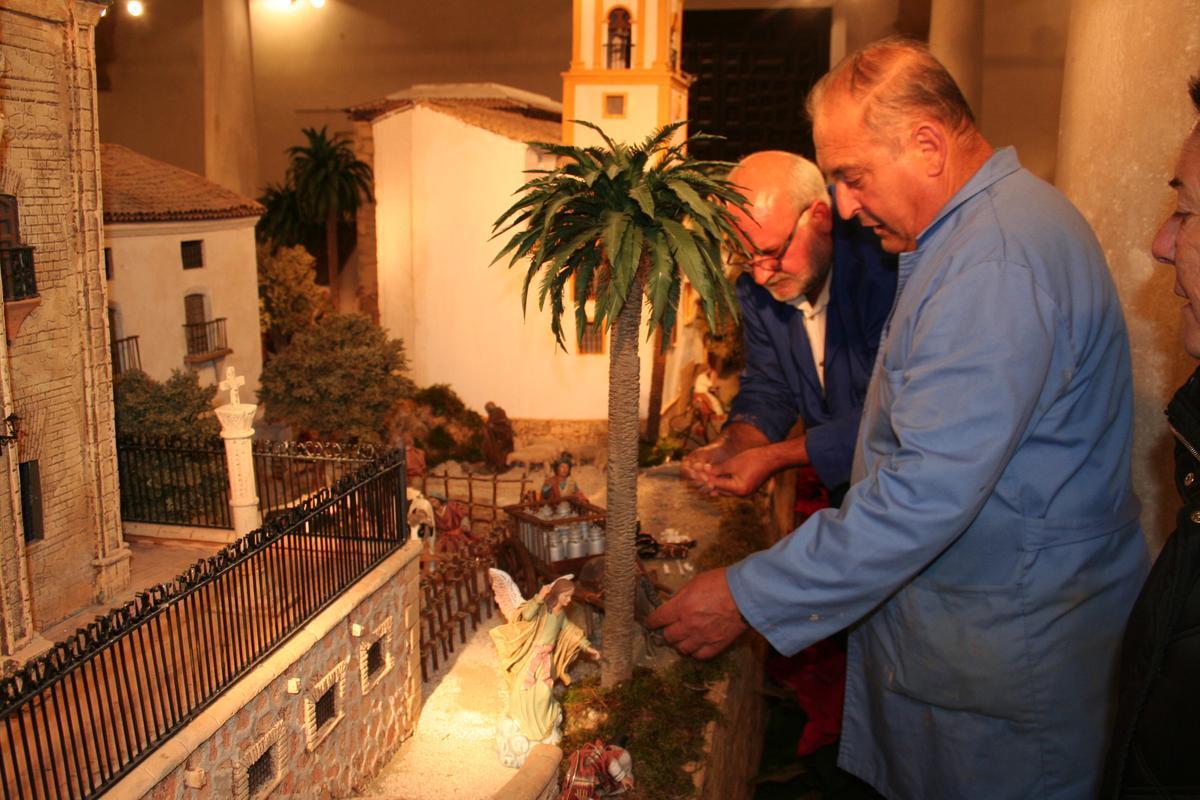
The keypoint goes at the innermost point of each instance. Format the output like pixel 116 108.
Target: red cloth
pixel 816 674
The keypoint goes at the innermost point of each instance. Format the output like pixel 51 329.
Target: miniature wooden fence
pixel 484 495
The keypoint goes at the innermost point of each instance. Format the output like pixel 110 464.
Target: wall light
pixel 135 8
pixel 13 423
pixel 317 3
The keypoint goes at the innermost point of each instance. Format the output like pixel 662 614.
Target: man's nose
pixel 761 273
pixel 847 203
pixel 1163 247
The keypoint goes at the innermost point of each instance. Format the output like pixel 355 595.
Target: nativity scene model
pixel 535 647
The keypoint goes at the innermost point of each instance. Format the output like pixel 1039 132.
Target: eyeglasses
pixel 771 262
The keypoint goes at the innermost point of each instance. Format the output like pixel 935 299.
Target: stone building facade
pixel 61 545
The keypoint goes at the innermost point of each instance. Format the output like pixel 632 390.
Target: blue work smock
pixel 988 550
pixel 779 383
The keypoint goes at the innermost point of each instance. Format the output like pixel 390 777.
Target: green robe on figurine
pixel 536 646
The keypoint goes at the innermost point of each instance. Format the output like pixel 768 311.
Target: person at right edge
pixel 1155 749
pixel 988 549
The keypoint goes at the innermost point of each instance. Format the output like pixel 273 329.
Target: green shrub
pixel 176 407
pixel 337 381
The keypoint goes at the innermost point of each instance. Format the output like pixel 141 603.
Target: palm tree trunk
pixel 657 375
pixel 620 557
pixel 331 255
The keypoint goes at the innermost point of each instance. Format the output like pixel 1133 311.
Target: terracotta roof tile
pixel 500 109
pixel 138 188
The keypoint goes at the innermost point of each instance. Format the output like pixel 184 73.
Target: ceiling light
pixel 317 3
pixel 135 8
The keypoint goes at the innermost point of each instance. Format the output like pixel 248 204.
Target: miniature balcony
pixel 206 341
pixel 125 355
pixel 20 287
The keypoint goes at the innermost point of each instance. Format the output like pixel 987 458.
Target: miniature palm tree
pixel 330 185
pixel 628 221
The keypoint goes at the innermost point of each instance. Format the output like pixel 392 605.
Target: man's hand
pixel 703 457
pixel 701 619
pixel 736 437
pixel 739 476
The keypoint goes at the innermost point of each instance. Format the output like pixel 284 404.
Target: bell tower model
pixel 625 73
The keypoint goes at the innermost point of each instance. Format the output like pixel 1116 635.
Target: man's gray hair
pixel 897 79
pixel 800 180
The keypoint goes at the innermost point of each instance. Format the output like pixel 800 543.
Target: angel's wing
pixel 508 596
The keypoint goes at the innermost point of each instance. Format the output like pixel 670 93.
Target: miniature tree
pixel 330 184
pixel 177 408
pixel 338 380
pixel 633 219
pixel 289 299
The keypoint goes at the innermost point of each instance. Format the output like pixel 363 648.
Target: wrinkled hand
pixel 738 476
pixel 702 457
pixel 701 619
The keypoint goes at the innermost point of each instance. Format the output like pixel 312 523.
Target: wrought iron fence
pixel 286 473
pixel 205 340
pixel 16 270
pixel 80 717
pixel 174 481
pixel 125 355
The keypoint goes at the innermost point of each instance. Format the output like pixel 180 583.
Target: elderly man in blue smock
pixel 988 549
pixel 814 292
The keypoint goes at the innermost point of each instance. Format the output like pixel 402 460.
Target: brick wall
pixel 58 368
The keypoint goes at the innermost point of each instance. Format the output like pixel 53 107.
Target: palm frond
pixel 613 215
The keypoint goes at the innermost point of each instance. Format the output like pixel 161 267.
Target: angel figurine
pixel 536 645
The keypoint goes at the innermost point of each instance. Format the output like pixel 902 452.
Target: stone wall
pixel 734 741
pixel 571 432
pixel 275 715
pixel 57 374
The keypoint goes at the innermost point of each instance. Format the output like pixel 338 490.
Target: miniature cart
pixel 561 535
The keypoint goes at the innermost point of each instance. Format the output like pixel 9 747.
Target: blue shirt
pixel 779 383
pixel 989 548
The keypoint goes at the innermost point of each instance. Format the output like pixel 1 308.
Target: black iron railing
pixel 286 473
pixel 17 272
pixel 125 355
pixel 174 481
pixel 79 718
pixel 206 340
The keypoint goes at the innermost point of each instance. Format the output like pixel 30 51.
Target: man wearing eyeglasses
pixel 814 293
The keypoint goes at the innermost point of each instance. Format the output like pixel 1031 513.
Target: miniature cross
pixel 230 384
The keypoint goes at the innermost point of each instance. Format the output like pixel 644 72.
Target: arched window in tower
pixel 620 39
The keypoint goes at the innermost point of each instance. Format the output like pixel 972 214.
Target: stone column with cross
pixel 236 429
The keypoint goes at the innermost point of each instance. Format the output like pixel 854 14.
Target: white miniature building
pixel 182 275
pixel 447 160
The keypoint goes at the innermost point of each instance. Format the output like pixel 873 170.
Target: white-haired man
pixel 989 548
pixel 814 293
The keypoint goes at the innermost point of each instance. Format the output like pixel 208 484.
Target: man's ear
pixel 931 146
pixel 821 217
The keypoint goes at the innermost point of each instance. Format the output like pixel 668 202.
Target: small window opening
pixel 261 772
pixel 192 253
pixel 31 500
pixel 620 39
pixel 108 263
pixel 326 707
pixel 614 105
pixel 375 659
